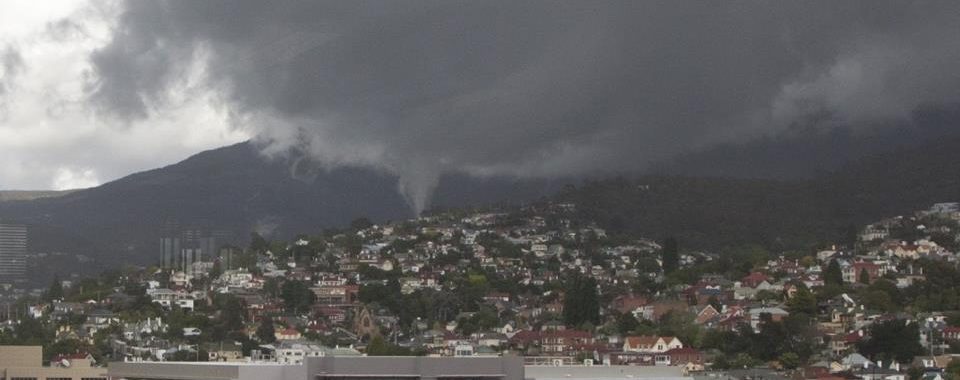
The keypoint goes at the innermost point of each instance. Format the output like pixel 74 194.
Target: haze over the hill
pixel 532 89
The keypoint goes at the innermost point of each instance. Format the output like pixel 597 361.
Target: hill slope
pixel 710 213
pixel 236 190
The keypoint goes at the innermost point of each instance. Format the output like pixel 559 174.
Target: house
pixel 564 342
pixel 627 304
pixel 705 314
pixel 688 357
pixel 655 311
pixel 854 361
pixel 287 334
pixel 927 362
pixel 492 339
pixel 651 344
pixel 951 333
pixel 776 315
pixel 224 352
pixel 817 370
pixel 851 273
pixel 841 344
pixel 754 279
pixel 336 294
pixel 294 352
pixel 494 297
pixel 332 314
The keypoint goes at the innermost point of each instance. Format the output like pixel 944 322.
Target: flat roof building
pixel 605 372
pixel 331 368
pixel 26 362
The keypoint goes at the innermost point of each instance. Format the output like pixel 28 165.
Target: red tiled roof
pixel 525 336
pixel 682 351
pixel 852 337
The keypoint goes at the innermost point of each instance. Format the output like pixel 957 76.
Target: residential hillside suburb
pixel 537 291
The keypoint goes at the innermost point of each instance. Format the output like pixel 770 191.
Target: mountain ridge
pixel 233 188
pixel 236 189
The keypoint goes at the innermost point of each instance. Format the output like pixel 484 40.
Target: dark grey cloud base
pixel 529 88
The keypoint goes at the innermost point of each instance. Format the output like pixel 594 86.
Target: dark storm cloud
pixel 535 88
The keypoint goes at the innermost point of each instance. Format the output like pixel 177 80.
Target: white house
pixel 651 344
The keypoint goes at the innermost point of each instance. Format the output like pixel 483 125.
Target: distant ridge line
pixel 28 195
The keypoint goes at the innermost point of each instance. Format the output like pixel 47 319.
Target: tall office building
pixel 169 252
pixel 13 252
pixel 180 247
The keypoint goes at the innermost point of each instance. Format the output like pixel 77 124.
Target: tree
pixel 272 287
pixel 878 300
pixel 257 243
pixel 803 301
pixel 720 363
pixel 231 312
pixel 670 255
pixel 31 331
pixel 361 223
pixel 266 333
pixel 55 292
pixel 790 360
pixel 216 270
pixel 833 275
pixel 626 323
pixel 892 340
pixel 380 347
pixel 864 277
pixel 581 302
pixel 681 325
pixel 297 297
pixel 953 368
pixel 65 346
pixel 645 265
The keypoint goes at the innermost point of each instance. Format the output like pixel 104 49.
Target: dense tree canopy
pixel 581 303
pixel 670 255
pixel 892 340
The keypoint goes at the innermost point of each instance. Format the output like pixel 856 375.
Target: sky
pixel 90 92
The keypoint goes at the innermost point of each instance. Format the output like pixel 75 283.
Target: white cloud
pixel 50 137
pixel 66 179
